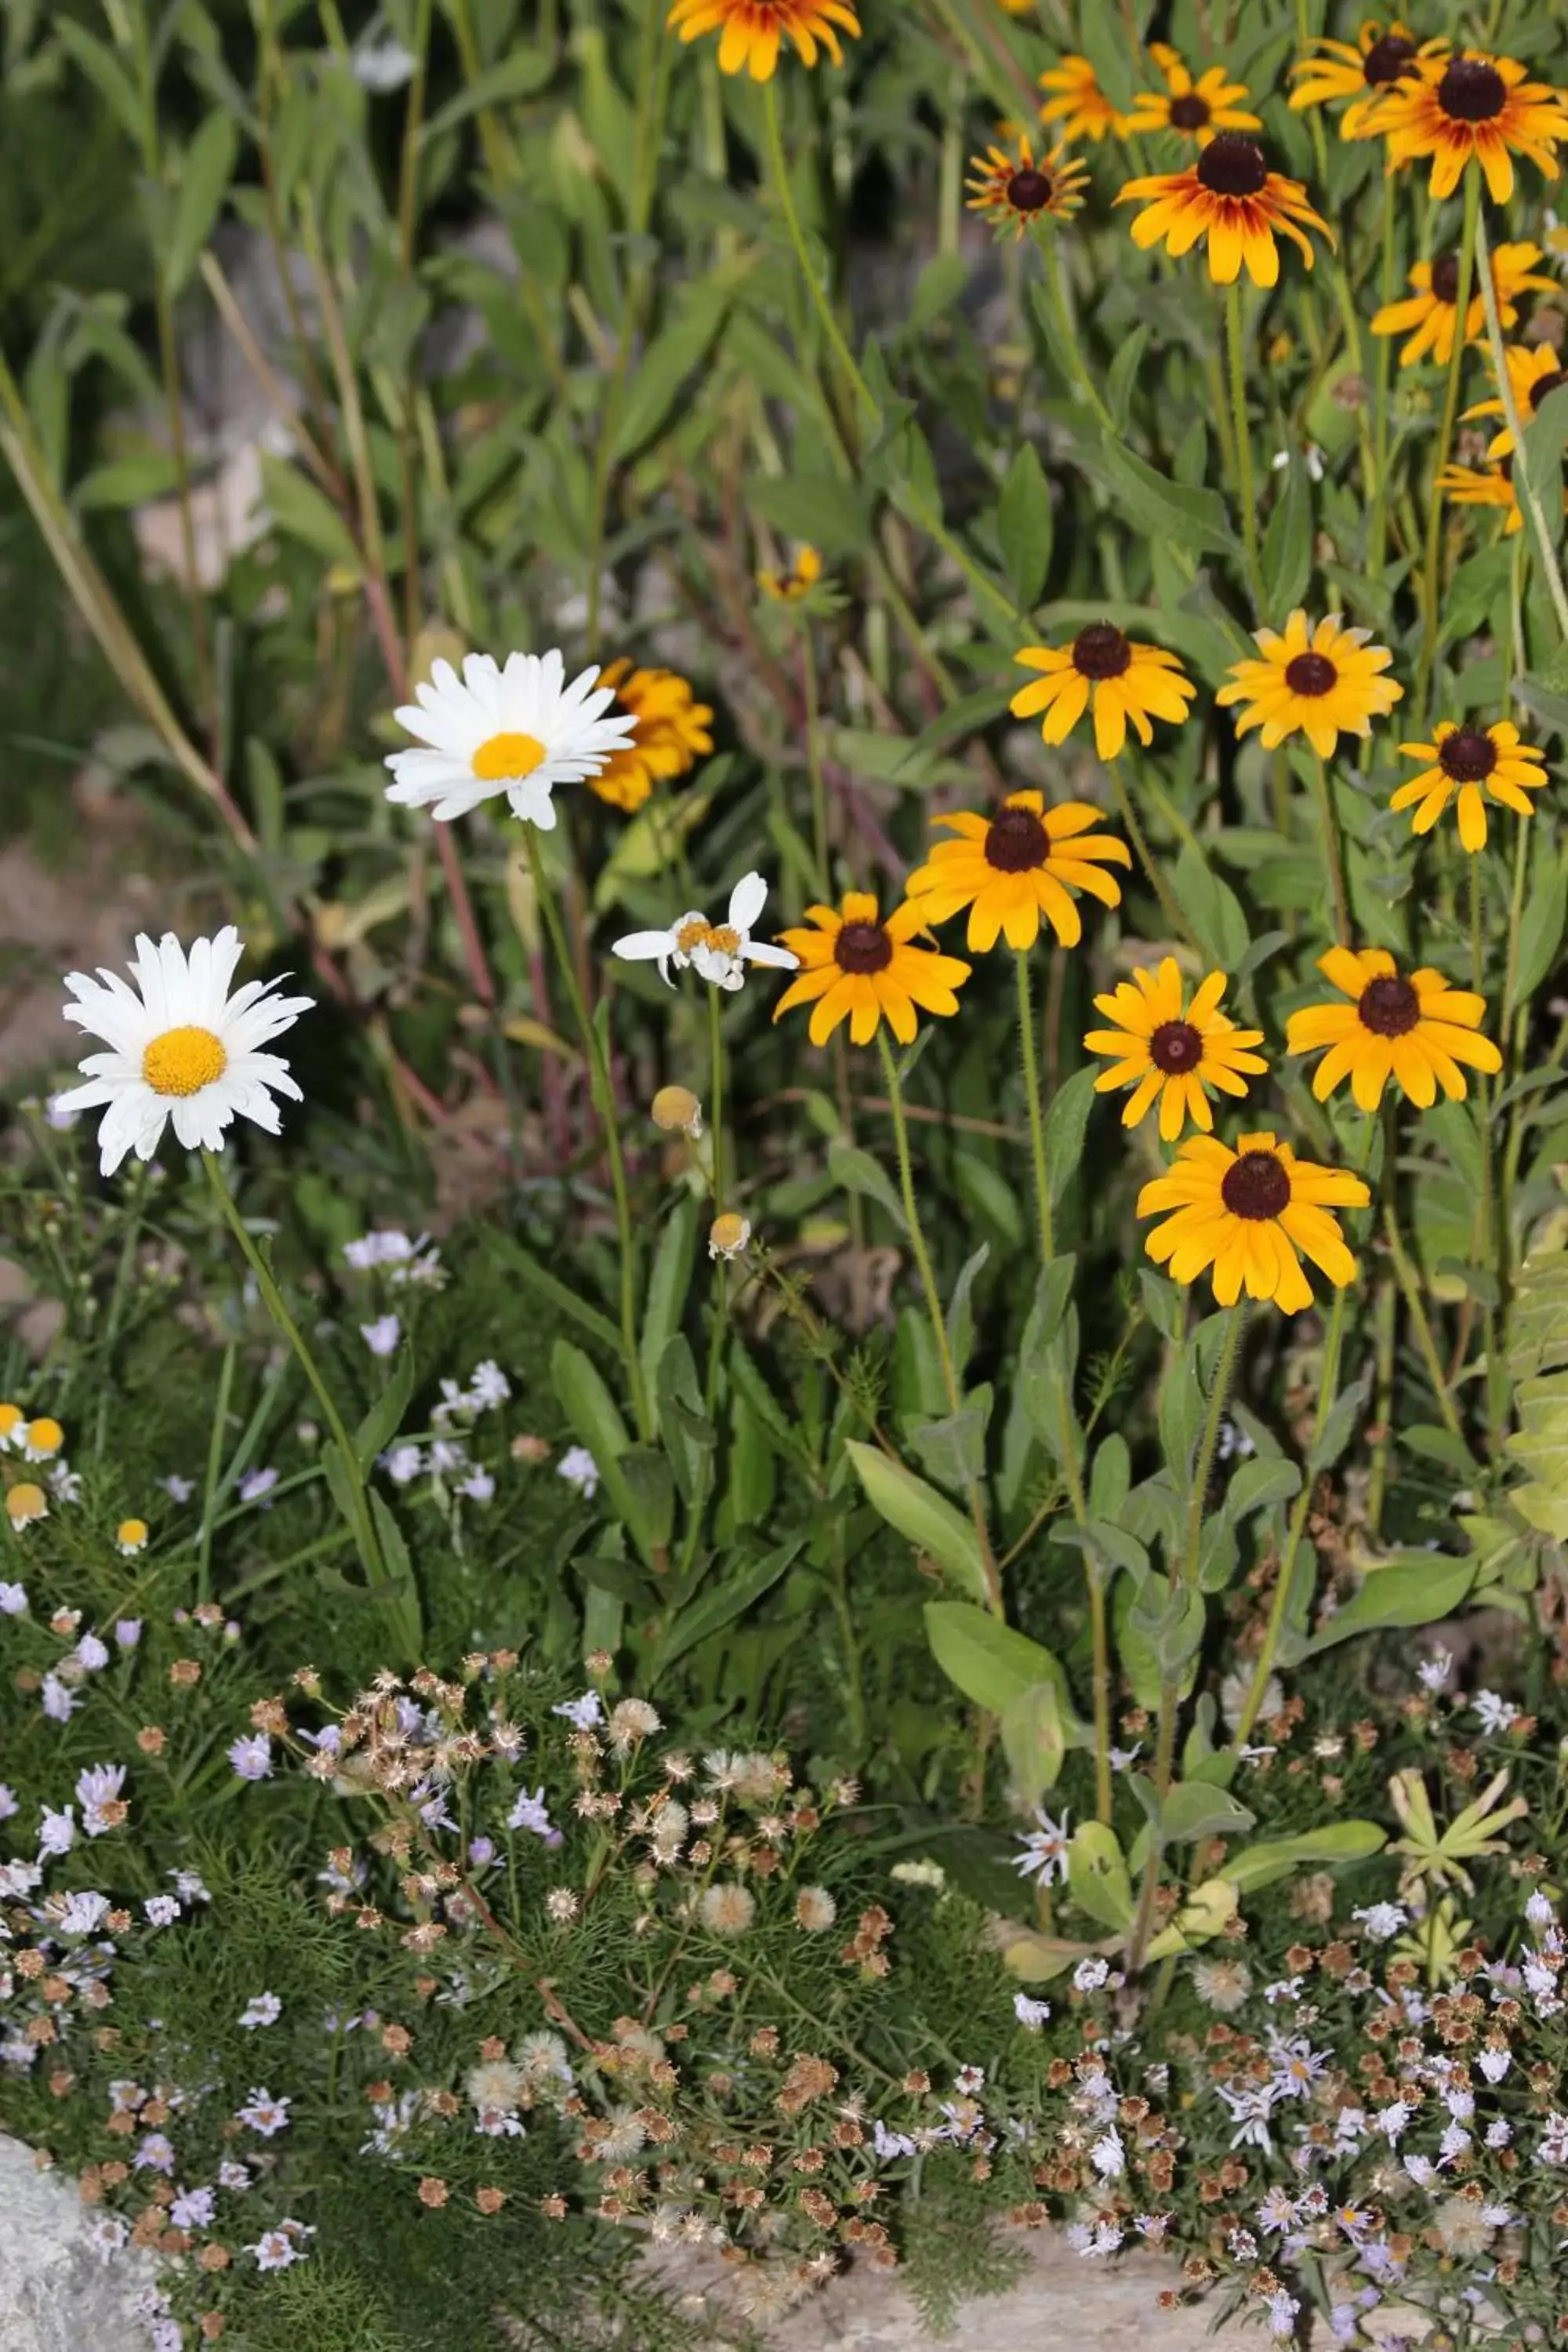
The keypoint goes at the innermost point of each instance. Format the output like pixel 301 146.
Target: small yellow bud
pixel 728 1235
pixel 25 1503
pixel 678 1111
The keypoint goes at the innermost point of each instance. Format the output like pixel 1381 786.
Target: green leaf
pixel 663 369
pixel 385 1419
pixel 937 288
pixel 987 1660
pixel 302 512
pixel 1541 929
pixel 1097 1874
pixel 1189 518
pixel 1259 1865
pixel 105 72
pixel 1024 527
pixel 1181 1412
pixel 952 1447
pixel 1122 373
pixel 856 1172
pixel 1213 908
pixel 1417 1590
pixel 544 1284
pixel 1257 1484
pixel 924 1518
pixel 1287 558
pixel 961 1310
pixel 1344 1417
pixel 1067 1123
pixel 728 1599
pixel 126 482
pixel 828 512
pixel 1545 433
pixel 1034 1740
pixel 519 73
pixel 690 1438
pixel 667 1287
pixel 206 171
pixel 1195 1809
pixel 639 1496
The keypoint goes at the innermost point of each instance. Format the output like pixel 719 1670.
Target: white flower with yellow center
pixel 182 1048
pixel 718 953
pixel 520 731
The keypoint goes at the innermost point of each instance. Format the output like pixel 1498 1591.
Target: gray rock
pixel 56 2295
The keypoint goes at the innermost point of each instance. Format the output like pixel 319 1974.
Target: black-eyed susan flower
pixel 1011 868
pixel 1485 485
pixel 751 32
pixel 1195 109
pixel 1473 107
pixel 1474 763
pixel 1230 198
pixel 1431 314
pixel 856 968
pixel 1012 190
pixel 1533 372
pixel 1365 71
pixel 520 731
pixel 671 729
pixel 788 587
pixel 1246 1213
pixel 180 1048
pixel 1105 671
pixel 1076 103
pixel 1411 1027
pixel 1322 683
pixel 1170 1051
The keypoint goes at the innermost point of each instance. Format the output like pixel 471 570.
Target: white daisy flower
pixel 719 953
pixel 182 1049
pixel 520 731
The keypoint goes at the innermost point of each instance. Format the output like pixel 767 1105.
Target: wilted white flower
pixel 717 952
pixel 727 1908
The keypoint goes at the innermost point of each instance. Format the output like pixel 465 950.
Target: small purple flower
pixel 481 1850
pixel 13 1600
pixel 92 1654
pixel 402 1464
pixel 162 1910
pixel 264 2114
pixel 382 1336
pixel 479 1486
pixel 256 1485
pixel 232 2176
pixel 97 1786
pixel 155 2153
pixel 59 1703
pixel 251 1757
pixel 9 1805
pixel 128 1632
pixel 178 1489
pixel 84 1914
pixel 582 1713
pixel 262 2009
pixel 528 1813
pixel 193 2209
pixel 57 1832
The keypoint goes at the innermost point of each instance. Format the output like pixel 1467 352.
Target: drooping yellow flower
pixel 787 587
pixel 1077 103
pixel 1014 190
pixel 1532 373
pixel 1473 107
pixel 1011 868
pixel 1485 485
pixel 1366 73
pixel 856 968
pixel 1432 310
pixel 751 32
pixel 1230 197
pixel 1413 1028
pixel 1246 1213
pixel 670 730
pixel 1322 683
pixel 1475 763
pixel 24 1503
pixel 1104 669
pixel 1170 1051
pixel 1196 109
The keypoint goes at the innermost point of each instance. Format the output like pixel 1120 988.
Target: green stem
pixel 1169 908
pixel 604 1103
pixel 1037 1118
pixel 1543 537
pixel 215 1471
pixel 1378 528
pixel 1429 654
pixel 1242 447
pixel 1331 848
pixel 1327 1390
pixel 814 762
pixel 1077 368
pixel 716 1122
pixel 1410 1288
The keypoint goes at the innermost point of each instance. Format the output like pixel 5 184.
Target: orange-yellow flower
pixel 751 32
pixel 1197 109
pixel 1412 1028
pixel 1532 375
pixel 1014 190
pixel 1322 683
pixel 1011 868
pixel 1477 764
pixel 788 587
pixel 856 968
pixel 1246 1213
pixel 671 730
pixel 1473 107
pixel 1170 1051
pixel 1366 73
pixel 1077 103
pixel 1105 671
pixel 1432 310
pixel 1230 197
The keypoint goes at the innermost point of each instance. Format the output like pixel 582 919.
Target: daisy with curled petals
pixel 1477 763
pixel 1077 103
pixel 520 731
pixel 1246 1214
pixel 1413 1028
pixel 751 32
pixel 1322 683
pixel 856 968
pixel 1196 109
pixel 1105 670
pixel 1381 57
pixel 1230 197
pixel 1171 1052
pixel 1473 107
pixel 670 730
pixel 1014 190
pixel 180 1048
pixel 1432 310
pixel 718 953
pixel 1533 374
pixel 1011 868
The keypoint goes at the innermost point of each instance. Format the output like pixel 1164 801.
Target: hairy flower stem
pixel 1333 847
pixel 1072 351
pixel 604 1103
pixel 1543 535
pixel 402 1613
pixel 1246 485
pixel 1180 927
pixel 1472 226
pixel 1031 1062
pixel 932 1298
pixel 1377 528
pixel 1410 1288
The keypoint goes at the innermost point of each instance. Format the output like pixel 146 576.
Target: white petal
pixel 760 951
pixel 642 946
pixel 747 899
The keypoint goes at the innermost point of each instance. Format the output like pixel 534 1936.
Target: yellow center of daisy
pixel 507 759
pixel 183 1061
pixel 1388 1006
pixel 1255 1186
pixel 1017 842
pixel 1311 675
pixel 1101 652
pixel 862 948
pixel 1467 756
pixel 1390 60
pixel 1233 165
pixel 1029 190
pixel 1175 1047
pixel 1472 91
pixel 726 941
pixel 693 935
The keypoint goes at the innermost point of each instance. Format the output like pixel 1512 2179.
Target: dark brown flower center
pixel 1030 192
pixel 1175 1047
pixel 1232 166
pixel 862 948
pixel 1472 91
pixel 1389 59
pixel 1017 842
pixel 1101 652
pixel 1505 466
pixel 1545 384
pixel 1255 1186
pixel 1389 1006
pixel 1445 278
pixel 1311 675
pixel 1467 756
pixel 1189 112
